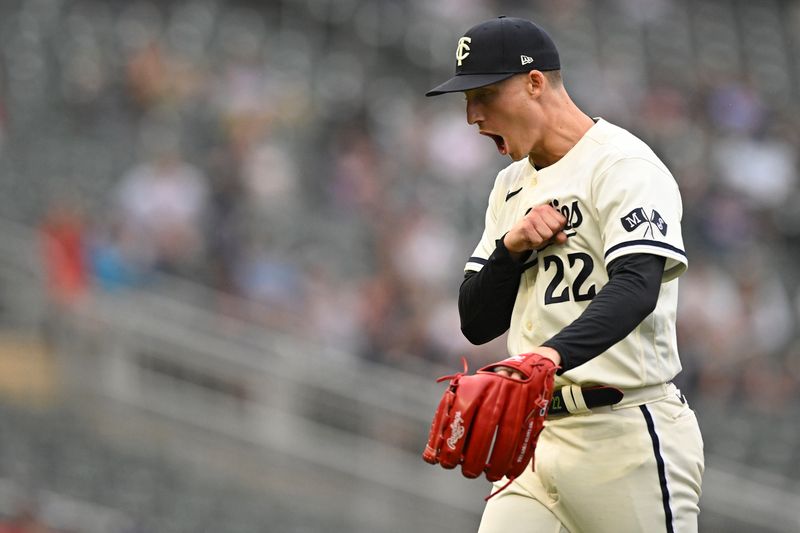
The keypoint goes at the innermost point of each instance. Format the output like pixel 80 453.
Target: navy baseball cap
pixel 497 49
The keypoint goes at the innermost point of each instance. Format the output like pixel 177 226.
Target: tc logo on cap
pixel 463 49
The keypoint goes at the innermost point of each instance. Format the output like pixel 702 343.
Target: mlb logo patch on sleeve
pixel 638 216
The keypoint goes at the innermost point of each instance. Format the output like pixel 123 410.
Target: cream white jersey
pixel 619 199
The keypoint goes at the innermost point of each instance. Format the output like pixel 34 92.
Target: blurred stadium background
pixel 232 234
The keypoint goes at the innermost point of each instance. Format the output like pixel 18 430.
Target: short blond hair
pixel 554 77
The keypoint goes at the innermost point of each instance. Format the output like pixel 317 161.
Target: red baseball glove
pixel 476 407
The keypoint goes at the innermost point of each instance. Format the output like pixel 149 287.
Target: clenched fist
pixel 540 226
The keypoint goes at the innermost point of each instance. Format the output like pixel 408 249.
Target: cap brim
pixel 465 82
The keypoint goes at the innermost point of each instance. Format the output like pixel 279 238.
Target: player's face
pixel 502 112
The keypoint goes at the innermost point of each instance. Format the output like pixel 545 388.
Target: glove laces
pixel 457 375
pixel 501 489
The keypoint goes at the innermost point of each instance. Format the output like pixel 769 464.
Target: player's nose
pixel 474 112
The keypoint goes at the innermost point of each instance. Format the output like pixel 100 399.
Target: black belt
pixel 593 396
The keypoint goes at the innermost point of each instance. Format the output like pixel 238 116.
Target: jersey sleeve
pixel 639 209
pixel 491 233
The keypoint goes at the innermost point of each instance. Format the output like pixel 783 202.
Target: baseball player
pixel 579 262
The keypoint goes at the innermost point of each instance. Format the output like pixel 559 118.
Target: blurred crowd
pixel 284 154
pixel 24 521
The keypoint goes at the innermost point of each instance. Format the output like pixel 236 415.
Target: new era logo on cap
pixel 497 49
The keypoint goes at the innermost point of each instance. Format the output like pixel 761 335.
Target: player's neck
pixel 566 126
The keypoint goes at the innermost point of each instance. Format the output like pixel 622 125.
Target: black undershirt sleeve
pixel 486 301
pixel 486 298
pixel 628 298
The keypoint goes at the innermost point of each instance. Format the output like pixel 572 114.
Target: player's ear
pixel 536 83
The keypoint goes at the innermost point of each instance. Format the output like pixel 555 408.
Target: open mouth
pixel 498 140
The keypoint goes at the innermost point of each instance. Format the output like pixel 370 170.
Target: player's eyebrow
pixel 480 91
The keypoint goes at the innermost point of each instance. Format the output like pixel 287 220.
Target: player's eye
pixel 480 96
pixel 488 95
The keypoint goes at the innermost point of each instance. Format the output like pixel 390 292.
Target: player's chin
pixel 513 152
pixel 517 151
pixel 516 155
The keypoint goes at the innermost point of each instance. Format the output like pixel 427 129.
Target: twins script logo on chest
pixel 572 213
